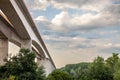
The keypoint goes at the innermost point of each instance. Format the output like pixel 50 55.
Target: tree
pixel 111 61
pixel 98 70
pixel 78 71
pixel 59 75
pixel 117 71
pixel 117 75
pixel 22 67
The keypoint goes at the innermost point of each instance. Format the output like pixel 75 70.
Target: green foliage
pixel 111 61
pixel 59 75
pixel 22 67
pixel 117 75
pixel 117 71
pixel 11 77
pixel 40 74
pixel 98 70
pixel 78 71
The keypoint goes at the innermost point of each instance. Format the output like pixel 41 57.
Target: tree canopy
pixel 59 75
pixel 22 67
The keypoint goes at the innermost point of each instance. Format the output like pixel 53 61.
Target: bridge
pixel 18 27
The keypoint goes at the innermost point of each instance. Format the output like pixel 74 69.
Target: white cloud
pixel 41 18
pixel 37 4
pixel 65 4
pixel 108 32
pixel 42 4
pixel 95 5
pixel 80 4
pixel 86 21
pixel 60 21
pixel 107 14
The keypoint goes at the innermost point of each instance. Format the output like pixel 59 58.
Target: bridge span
pixel 18 27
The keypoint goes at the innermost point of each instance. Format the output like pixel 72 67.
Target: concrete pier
pixel 3 50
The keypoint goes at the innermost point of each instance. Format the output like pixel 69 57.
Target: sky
pixel 77 30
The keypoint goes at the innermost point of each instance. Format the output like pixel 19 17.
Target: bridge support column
pixel 3 50
pixel 27 44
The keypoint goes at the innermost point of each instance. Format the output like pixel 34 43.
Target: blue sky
pixel 77 30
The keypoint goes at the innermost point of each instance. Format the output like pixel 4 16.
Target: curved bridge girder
pixel 37 46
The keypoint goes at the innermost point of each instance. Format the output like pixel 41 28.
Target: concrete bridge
pixel 17 26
